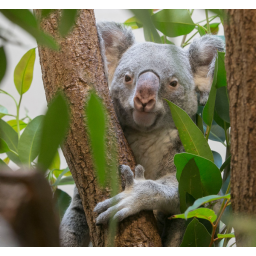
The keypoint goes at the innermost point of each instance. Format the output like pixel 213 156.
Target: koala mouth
pixel 144 119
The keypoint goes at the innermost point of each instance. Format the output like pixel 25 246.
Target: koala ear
pixel 115 39
pixel 202 56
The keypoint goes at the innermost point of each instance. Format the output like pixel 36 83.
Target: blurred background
pixel 34 100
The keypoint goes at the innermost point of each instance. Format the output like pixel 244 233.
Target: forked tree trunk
pixel 75 69
pixel 241 77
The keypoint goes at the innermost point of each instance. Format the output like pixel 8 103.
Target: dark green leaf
pixel 208 111
pixel 46 12
pixel 55 127
pixel 133 22
pixel 201 213
pixel 29 143
pixel 3 165
pixel 3 111
pixel 62 200
pixel 144 17
pixel 211 179
pixel 220 122
pixel 199 123
pixel 60 176
pixel 226 163
pixel 9 135
pixel 13 124
pixel 23 73
pixel 216 133
pixel 67 21
pixel 222 76
pixel 26 20
pixel 189 182
pixel 196 235
pixel 191 137
pixel 96 124
pixel 205 200
pixel 173 22
pixel 3 146
pixel 217 158
pixel 222 104
pixel 3 63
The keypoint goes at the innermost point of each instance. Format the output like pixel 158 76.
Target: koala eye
pixel 127 78
pixel 173 83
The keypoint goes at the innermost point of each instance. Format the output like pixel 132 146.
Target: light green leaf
pixel 3 165
pixel 133 22
pixel 144 17
pixel 29 144
pixel 226 235
pixel 3 146
pixel 23 73
pixel 205 200
pixel 55 127
pixel 27 21
pixel 208 111
pixel 3 63
pixel 96 123
pixel 13 124
pixel 201 213
pixel 67 21
pixel 9 135
pixel 62 200
pixel 191 137
pixel 63 172
pixel 3 111
pixel 211 179
pixel 58 172
pixel 56 162
pixel 173 22
pixel 196 235
pixel 201 30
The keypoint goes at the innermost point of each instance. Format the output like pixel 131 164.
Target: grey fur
pixel 153 146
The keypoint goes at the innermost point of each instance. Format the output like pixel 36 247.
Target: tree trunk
pixel 75 69
pixel 241 76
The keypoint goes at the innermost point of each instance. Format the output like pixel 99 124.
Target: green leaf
pixel 226 235
pixel 220 122
pixel 23 73
pixel 3 111
pixel 56 162
pixel 26 20
pixel 96 125
pixel 191 137
pixel 3 165
pixel 62 200
pixel 150 32
pixel 55 127
pixel 222 76
pixel 205 200
pixel 46 12
pixel 13 124
pixel 63 172
pixel 133 22
pixel 3 63
pixel 201 213
pixel 9 135
pixel 199 123
pixel 208 111
pixel 217 159
pixel 173 22
pixel 222 104
pixel 66 181
pixel 67 21
pixel 29 143
pixel 166 41
pixel 201 30
pixel 189 183
pixel 225 164
pixel 216 133
pixel 214 27
pixel 3 146
pixel 58 172
pixel 196 235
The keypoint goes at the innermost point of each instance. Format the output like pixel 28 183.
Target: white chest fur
pixel 150 148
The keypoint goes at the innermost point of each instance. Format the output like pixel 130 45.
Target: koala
pixel 141 76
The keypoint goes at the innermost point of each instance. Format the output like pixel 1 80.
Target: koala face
pixel 143 75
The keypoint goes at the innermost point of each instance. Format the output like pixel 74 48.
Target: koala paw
pixel 126 203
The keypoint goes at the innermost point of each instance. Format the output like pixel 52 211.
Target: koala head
pixel 142 75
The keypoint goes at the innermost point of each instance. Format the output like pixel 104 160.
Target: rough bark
pixel 75 69
pixel 27 207
pixel 241 76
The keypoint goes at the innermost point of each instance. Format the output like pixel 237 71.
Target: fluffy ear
pixel 202 55
pixel 115 40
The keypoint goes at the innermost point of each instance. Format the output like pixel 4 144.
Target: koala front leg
pixel 74 230
pixel 140 194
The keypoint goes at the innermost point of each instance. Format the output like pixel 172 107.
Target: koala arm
pixel 74 230
pixel 140 194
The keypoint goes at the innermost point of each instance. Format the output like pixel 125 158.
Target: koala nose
pixel 146 92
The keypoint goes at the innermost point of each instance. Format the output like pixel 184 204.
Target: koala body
pixel 141 76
